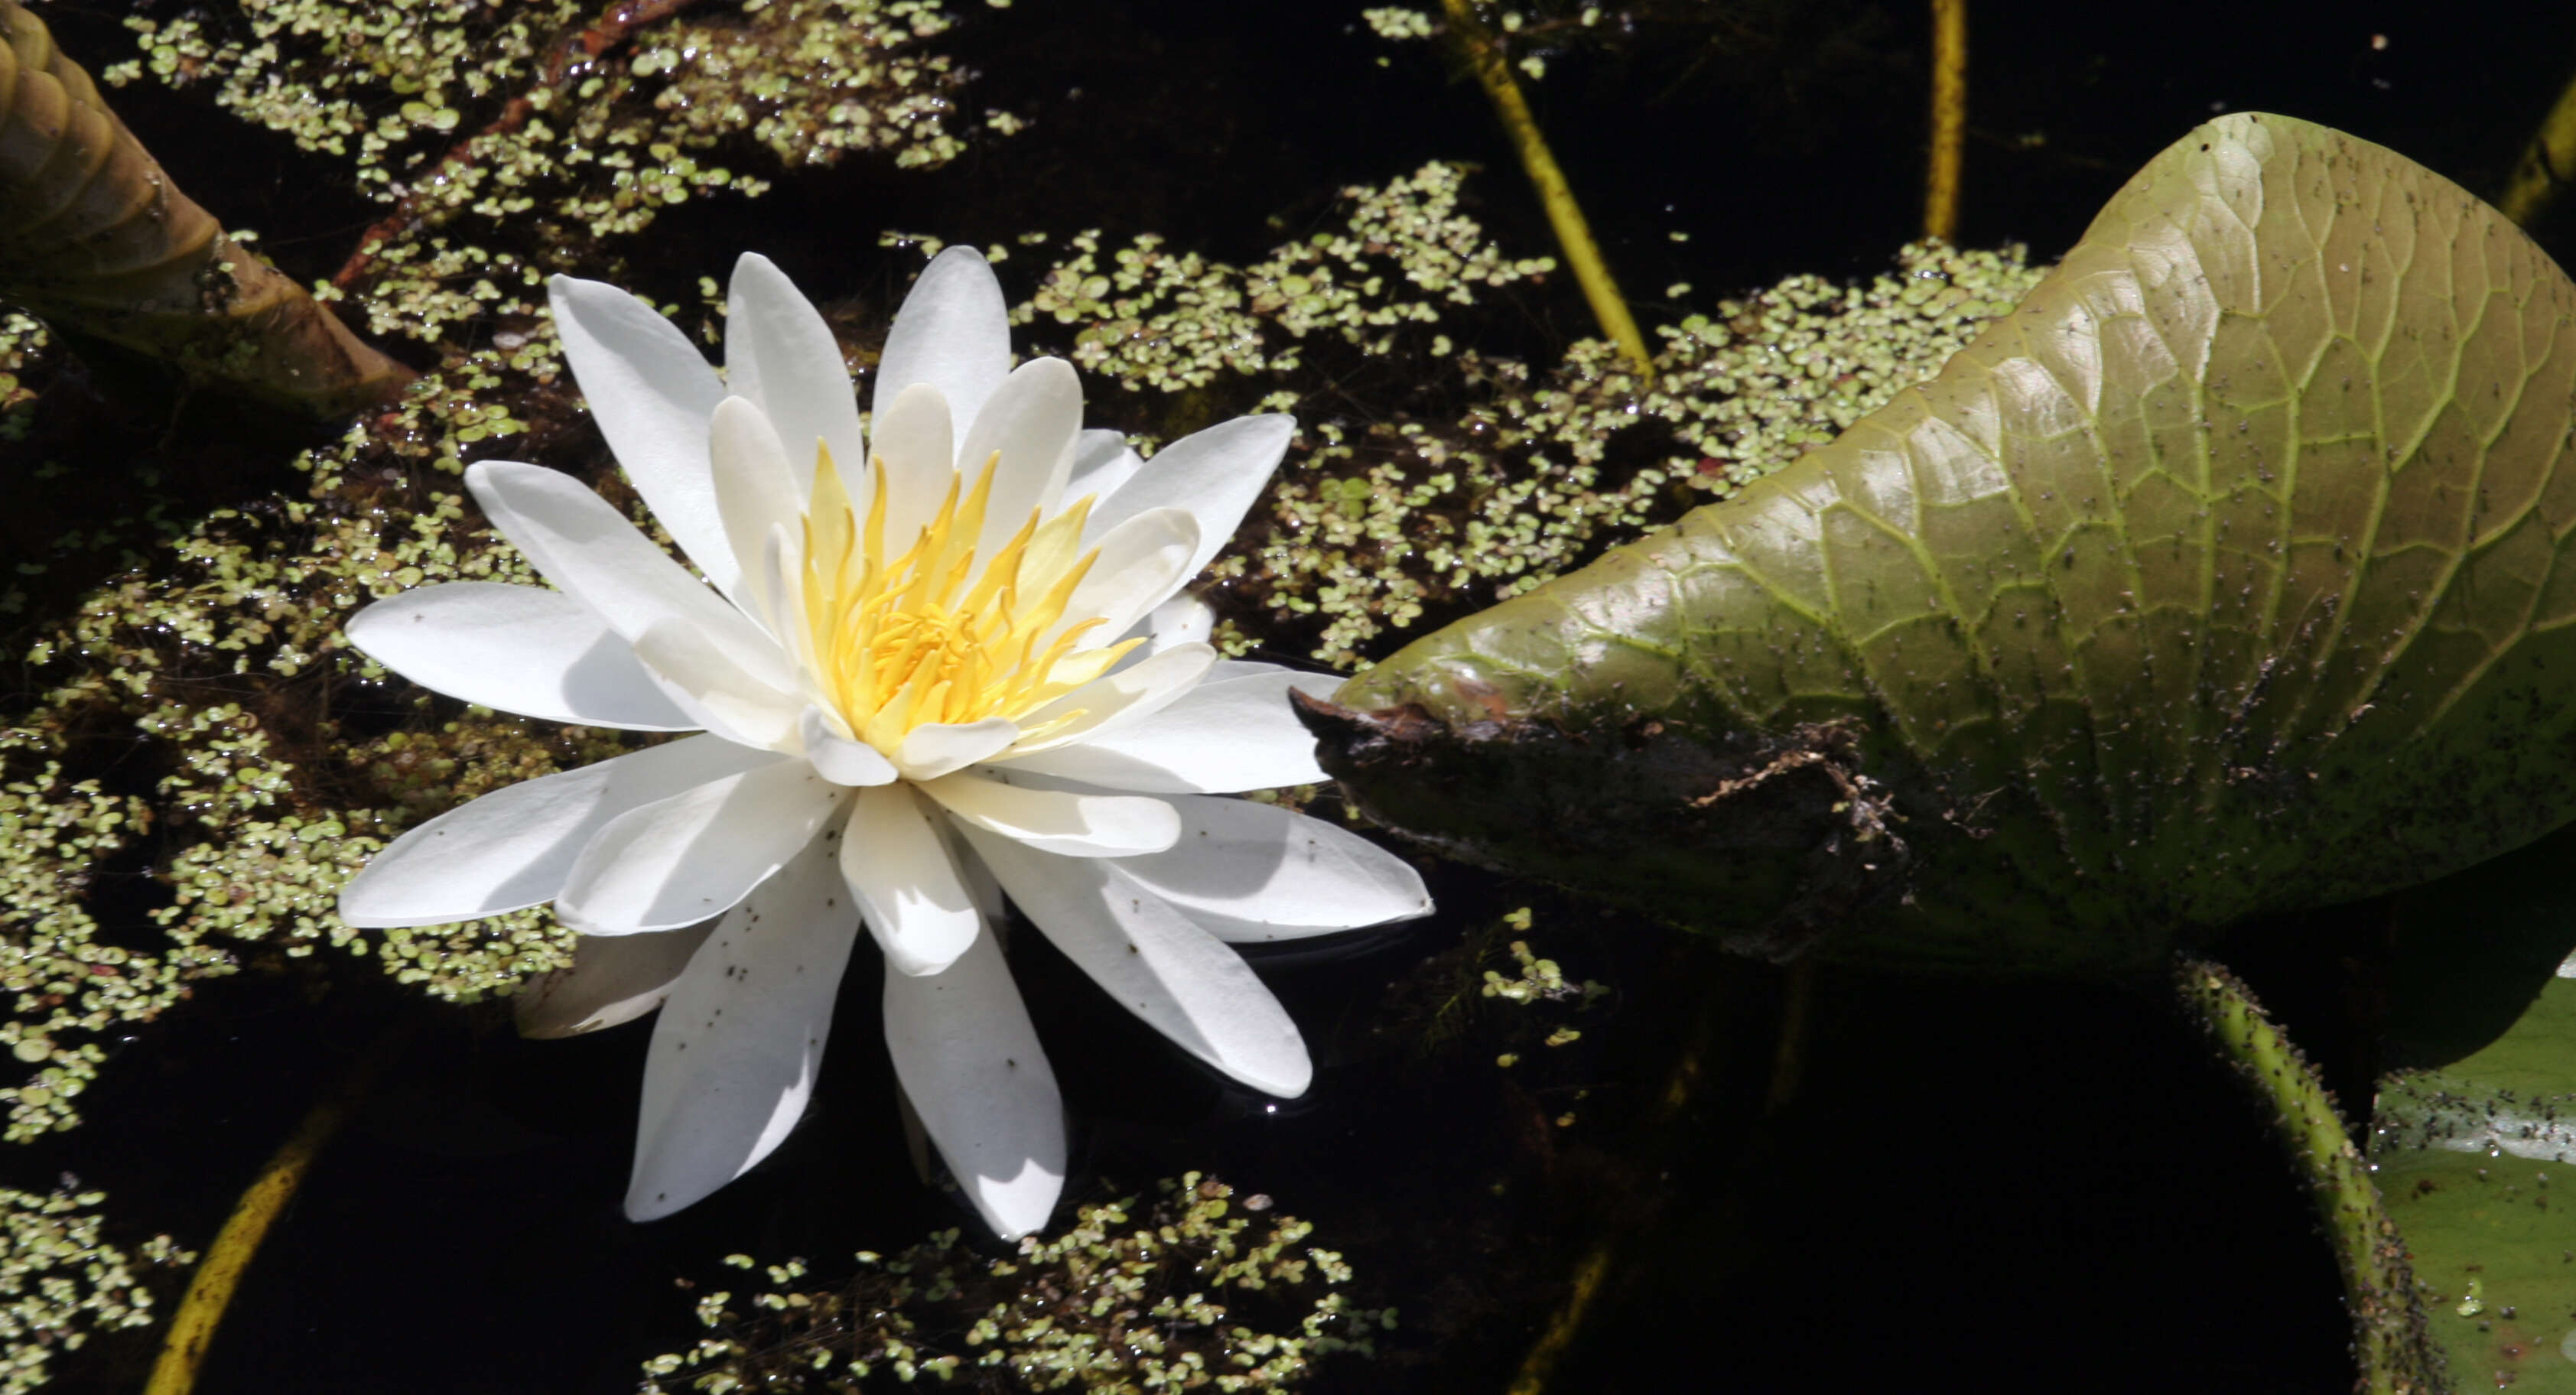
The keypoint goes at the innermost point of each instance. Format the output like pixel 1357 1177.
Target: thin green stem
pixel 1573 234
pixel 2396 1352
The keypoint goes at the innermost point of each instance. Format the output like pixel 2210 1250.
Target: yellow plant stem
pixel 1690 1071
pixel 210 1289
pixel 1549 1349
pixel 1789 1059
pixel 1949 118
pixel 1563 213
pixel 2396 1353
pixel 2547 163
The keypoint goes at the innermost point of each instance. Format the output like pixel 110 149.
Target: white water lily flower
pixel 925 676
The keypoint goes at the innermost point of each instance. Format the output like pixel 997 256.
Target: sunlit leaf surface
pixel 2223 576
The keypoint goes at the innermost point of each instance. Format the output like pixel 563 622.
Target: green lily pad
pixel 2222 577
pixel 2475 1141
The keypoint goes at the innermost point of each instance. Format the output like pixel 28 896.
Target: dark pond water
pixel 1999 1187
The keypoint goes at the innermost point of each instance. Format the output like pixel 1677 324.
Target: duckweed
pixel 511 141
pixel 1127 1299
pixel 1380 521
pixel 60 1282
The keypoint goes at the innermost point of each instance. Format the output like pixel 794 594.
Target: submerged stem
pixel 1789 1058
pixel 2396 1353
pixel 1682 1084
pixel 1563 213
pixel 210 1289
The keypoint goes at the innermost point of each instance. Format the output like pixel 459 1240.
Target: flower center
pixel 926 635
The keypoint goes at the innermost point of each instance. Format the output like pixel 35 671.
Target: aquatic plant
pixel 96 237
pixel 210 664
pixel 1123 1300
pixel 199 654
pixel 200 651
pixel 61 1282
pixel 510 142
pixel 918 698
pixel 212 658
pixel 2210 582
pixel 1393 518
pixel 2219 579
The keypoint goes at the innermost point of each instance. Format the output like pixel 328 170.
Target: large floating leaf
pixel 2476 1146
pixel 96 239
pixel 2227 574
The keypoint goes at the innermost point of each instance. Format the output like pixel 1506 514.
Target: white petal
pixel 1102 461
pixel 907 884
pixel 757 488
pixel 781 355
pixel 1181 620
pixel 934 749
pixel 1118 697
pixel 651 393
pixel 1216 738
pixel 614 979
pixel 736 1047
pixel 953 333
pixel 916 441
pixel 1031 421
pixel 970 1063
pixel 698 853
pixel 514 848
pixel 515 649
pixel 1257 871
pixel 1143 561
pixel 1064 822
pixel 780 585
pixel 987 893
pixel 1158 965
pixel 591 551
pixel 713 686
pixel 1214 475
pixel 842 760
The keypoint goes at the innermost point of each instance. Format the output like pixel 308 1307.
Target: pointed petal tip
pixel 355 912
pixel 641 1208
pixel 1018 1207
pixel 1051 366
pixel 581 294
pixel 914 965
pixel 1286 1076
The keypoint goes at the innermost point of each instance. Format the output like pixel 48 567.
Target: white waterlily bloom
pixel 930 666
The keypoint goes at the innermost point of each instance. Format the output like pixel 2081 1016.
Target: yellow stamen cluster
pixel 924 636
